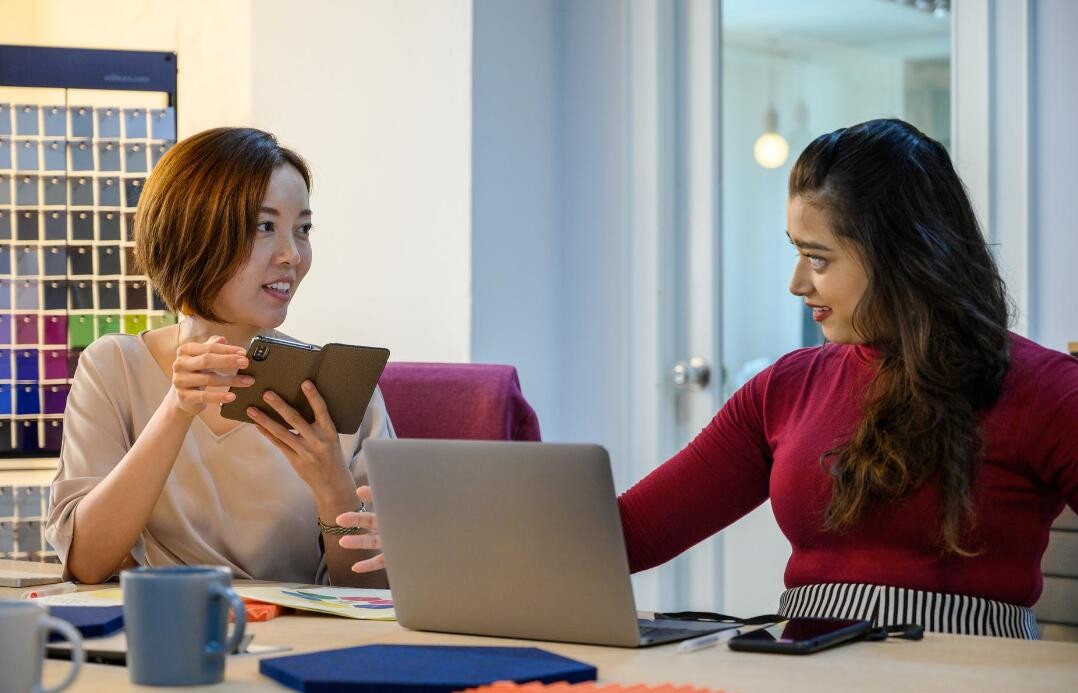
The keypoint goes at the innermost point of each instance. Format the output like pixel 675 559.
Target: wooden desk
pixel 938 663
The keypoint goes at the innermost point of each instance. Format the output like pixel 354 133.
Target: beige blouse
pixel 231 500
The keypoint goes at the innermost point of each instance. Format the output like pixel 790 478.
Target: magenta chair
pixel 457 400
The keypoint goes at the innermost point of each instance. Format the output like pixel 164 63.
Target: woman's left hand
pixel 370 540
pixel 314 450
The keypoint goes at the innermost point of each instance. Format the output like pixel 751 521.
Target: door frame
pixel 993 97
pixel 674 196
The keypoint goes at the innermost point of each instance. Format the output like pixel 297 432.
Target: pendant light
pixel 771 149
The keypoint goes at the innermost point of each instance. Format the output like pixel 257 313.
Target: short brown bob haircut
pixel 198 214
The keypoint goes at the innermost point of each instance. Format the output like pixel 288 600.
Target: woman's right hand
pixel 370 540
pixel 204 371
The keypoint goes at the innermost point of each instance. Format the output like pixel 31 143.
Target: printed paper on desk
pixel 350 602
pixel 110 596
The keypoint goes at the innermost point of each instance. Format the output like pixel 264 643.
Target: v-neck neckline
pixel 217 438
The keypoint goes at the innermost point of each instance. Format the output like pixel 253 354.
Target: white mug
pixel 24 629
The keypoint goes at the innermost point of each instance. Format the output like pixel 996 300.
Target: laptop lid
pixel 507 539
pixel 15 573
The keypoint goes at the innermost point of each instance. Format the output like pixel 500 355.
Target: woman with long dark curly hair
pixel 916 460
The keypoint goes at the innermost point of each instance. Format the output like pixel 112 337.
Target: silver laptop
pixel 518 540
pixel 29 573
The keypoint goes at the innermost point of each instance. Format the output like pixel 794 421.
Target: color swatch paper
pixel 363 604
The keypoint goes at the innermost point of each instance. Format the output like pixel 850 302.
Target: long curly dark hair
pixel 936 309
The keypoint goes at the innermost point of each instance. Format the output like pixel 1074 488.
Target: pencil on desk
pixel 48 590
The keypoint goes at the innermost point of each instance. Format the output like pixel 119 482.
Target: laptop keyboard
pixel 661 633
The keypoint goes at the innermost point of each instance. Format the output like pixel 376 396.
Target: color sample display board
pixel 70 179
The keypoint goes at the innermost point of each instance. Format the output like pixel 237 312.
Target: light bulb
pixel 771 150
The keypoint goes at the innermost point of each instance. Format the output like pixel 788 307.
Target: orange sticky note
pixel 260 611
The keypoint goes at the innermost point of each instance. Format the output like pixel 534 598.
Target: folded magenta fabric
pixel 457 400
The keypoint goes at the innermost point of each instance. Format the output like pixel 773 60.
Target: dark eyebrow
pixel 274 212
pixel 808 246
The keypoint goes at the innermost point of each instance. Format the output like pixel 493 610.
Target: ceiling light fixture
pixel 771 149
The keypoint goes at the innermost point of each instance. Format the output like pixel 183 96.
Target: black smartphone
pixel 800 635
pixel 344 374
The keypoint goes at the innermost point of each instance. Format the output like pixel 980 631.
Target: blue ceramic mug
pixel 176 618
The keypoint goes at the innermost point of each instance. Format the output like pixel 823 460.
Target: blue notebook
pixel 420 668
pixel 90 621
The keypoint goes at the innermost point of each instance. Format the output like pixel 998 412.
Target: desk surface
pixel 938 663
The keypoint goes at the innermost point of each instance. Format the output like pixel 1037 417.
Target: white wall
pixel 377 96
pixel 516 242
pixel 593 172
pixel 549 211
pixel 212 39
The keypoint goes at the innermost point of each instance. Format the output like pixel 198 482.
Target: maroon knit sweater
pixel 767 441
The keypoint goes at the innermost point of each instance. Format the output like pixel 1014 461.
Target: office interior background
pixel 583 189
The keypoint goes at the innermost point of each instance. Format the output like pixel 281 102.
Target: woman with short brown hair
pixel 150 472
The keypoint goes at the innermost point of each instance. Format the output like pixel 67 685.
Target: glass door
pixel 793 70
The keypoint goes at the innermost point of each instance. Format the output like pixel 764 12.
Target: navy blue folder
pixel 420 668
pixel 91 621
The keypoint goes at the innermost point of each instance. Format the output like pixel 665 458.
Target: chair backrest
pixel 1057 609
pixel 457 400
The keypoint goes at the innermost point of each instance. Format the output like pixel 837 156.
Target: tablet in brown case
pixel 344 374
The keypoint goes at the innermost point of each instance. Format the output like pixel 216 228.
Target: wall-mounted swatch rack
pixel 70 179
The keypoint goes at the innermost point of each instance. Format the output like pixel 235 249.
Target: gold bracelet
pixel 339 530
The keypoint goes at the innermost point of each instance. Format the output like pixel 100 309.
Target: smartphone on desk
pixel 800 635
pixel 344 374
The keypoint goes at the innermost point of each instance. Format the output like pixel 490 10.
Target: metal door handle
pixel 694 374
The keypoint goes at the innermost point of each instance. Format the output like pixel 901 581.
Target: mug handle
pixel 236 603
pixel 71 634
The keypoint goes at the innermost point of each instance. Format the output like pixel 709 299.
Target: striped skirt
pixel 888 606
